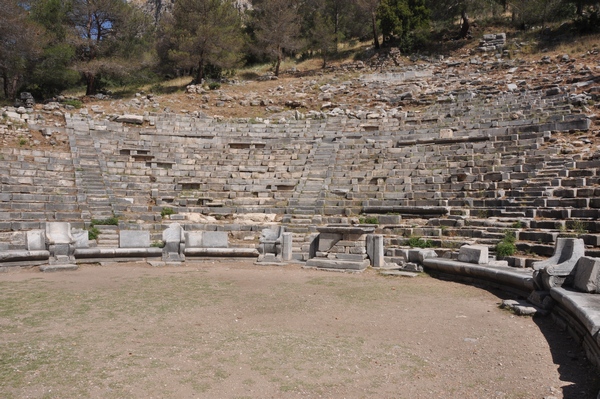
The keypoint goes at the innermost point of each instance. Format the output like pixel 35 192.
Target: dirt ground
pixel 230 329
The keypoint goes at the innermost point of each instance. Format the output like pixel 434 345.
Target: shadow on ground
pixel 572 363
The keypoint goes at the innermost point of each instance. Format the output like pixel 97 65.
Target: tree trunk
pixel 90 80
pixel 464 30
pixel 336 30
pixel 200 73
pixel 5 84
pixel 278 63
pixel 10 85
pixel 375 33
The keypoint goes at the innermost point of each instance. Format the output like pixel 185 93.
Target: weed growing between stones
pixel 579 227
pixel 112 221
pixel 507 246
pixel 166 211
pixel 368 220
pixel 418 242
pixel 93 233
pixel 77 104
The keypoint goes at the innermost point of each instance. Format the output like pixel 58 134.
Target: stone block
pixel 36 240
pixel 174 240
pixel 59 233
pixel 215 239
pixel 375 250
pixel 81 238
pixel 389 219
pixel 477 254
pixel 128 118
pixel 173 233
pixel 425 254
pixel 328 240
pixel 587 275
pixel 286 252
pixel 134 239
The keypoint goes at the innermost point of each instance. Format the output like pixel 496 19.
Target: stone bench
pixel 509 278
pixel 579 313
pixel 83 255
pixel 24 257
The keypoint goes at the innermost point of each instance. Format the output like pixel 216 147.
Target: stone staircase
pixel 89 173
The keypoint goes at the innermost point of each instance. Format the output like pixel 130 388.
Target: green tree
pixel 204 32
pixel 111 38
pixel 370 9
pixel 400 18
pixel 323 36
pixel 277 29
pixel 52 73
pixel 21 42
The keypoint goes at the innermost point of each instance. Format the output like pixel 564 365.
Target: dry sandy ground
pixel 229 329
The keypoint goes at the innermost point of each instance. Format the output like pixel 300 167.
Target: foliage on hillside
pixel 48 46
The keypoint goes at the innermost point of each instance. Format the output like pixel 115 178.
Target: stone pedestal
pixel 342 247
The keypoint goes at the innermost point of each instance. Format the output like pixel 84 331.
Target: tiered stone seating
pixel 37 186
pixel 471 158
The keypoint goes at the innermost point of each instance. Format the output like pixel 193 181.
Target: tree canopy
pixel 205 32
pixel 47 46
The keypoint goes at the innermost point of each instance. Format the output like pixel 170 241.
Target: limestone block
pixel 286 253
pixel 59 233
pixel 174 233
pixel 36 240
pixel 215 239
pixel 587 275
pixel 129 118
pixel 328 240
pixel 446 133
pixel 375 250
pixel 193 239
pixel 477 254
pixel 81 238
pixel 134 239
pixel 389 219
pixel 174 240
pixel 423 254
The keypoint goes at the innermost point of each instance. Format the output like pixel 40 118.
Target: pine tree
pixel 277 29
pixel 205 32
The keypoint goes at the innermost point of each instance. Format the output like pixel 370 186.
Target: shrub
pixel 507 246
pixel 166 211
pixel 158 244
pixel 214 85
pixel 368 220
pixel 93 233
pixel 418 242
pixel 112 221
pixel 504 249
pixel 74 103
